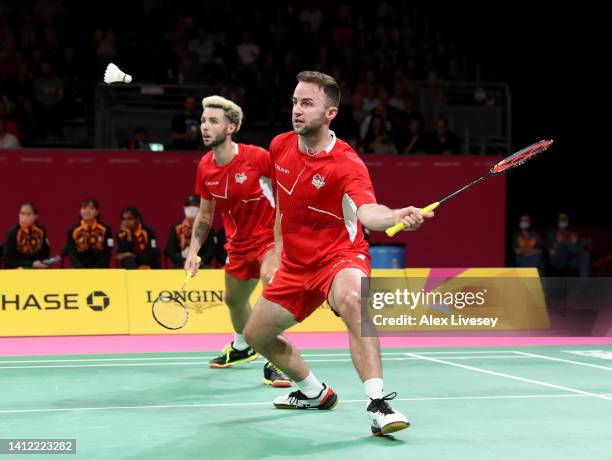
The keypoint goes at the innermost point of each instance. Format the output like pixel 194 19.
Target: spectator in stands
pixel 139 140
pixel 527 246
pixel 22 93
pixel 415 141
pixel 49 89
pixel 90 242
pixel 7 140
pixel 136 242
pixel 379 137
pixel 26 244
pixel 188 69
pixel 247 51
pixel 203 47
pixel 106 47
pixel 10 126
pixel 443 140
pixel 380 111
pixel 566 250
pixel 185 133
pixel 179 238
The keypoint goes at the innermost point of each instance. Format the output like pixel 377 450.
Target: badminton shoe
pixel 232 356
pixel 274 376
pixel 325 400
pixel 383 419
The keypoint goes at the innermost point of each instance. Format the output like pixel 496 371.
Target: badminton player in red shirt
pixel 236 177
pixel 324 196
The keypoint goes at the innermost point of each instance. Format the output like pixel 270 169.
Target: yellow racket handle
pixel 392 231
pixel 189 275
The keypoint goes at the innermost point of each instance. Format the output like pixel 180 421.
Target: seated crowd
pixel 91 243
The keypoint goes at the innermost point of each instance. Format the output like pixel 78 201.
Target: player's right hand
pixel 192 264
pixel 411 217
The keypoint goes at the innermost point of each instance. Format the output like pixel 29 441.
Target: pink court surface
pixel 28 346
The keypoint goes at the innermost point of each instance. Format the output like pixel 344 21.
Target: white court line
pixel 103 360
pixel 513 377
pixel 256 362
pixel 304 355
pixel 561 360
pixel 269 403
pixel 69 366
pixel 464 352
pixel 84 360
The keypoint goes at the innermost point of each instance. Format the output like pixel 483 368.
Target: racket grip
pixel 189 275
pixel 392 231
pixel 429 208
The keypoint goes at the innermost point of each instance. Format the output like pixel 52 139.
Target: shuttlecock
pixel 114 74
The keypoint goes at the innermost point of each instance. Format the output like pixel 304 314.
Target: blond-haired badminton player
pixel 236 177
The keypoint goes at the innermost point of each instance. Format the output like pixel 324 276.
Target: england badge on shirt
pixel 240 177
pixel 318 181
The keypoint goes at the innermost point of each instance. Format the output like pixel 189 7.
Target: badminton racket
pixel 503 166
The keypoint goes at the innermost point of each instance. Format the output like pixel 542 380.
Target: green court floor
pixel 472 403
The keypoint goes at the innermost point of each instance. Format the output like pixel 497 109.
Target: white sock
pixel 310 386
pixel 239 342
pixel 374 388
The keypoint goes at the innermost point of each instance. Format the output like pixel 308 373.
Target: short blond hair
pixel 231 110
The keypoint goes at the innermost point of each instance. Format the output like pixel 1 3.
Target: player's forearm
pixel 201 228
pixel 376 217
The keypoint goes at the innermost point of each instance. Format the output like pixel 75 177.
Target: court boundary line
pixel 269 403
pixel 304 355
pixel 206 363
pixel 513 377
pixel 561 360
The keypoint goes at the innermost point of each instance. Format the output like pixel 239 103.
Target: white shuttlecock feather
pixel 114 74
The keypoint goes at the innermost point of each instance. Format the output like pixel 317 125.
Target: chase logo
pixel 98 301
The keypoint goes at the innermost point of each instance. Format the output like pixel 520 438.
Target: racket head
pixel 170 313
pixel 520 157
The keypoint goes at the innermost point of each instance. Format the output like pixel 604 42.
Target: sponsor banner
pixel 62 302
pixel 203 296
pixel 93 302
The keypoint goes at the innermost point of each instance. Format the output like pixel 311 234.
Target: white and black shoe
pixel 325 400
pixel 383 419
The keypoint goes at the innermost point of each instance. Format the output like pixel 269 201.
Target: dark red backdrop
pixel 467 231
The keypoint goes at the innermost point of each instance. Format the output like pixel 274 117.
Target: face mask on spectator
pixel 191 212
pixel 563 224
pixel 524 225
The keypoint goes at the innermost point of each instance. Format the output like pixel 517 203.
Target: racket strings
pixel 521 157
pixel 170 313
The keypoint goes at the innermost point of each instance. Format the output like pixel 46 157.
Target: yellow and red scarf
pixel 139 237
pixel 566 236
pixel 89 237
pixel 30 239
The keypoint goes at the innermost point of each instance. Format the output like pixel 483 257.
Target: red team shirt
pixel 318 197
pixel 318 200
pixel 243 192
